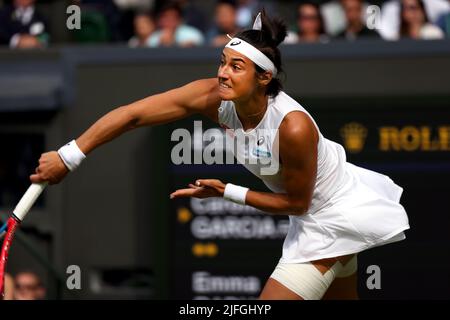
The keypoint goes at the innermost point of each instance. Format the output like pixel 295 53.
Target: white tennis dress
pixel 352 208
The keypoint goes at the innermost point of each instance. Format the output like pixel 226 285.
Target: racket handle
pixel 28 199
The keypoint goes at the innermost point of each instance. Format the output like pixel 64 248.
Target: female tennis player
pixel 335 209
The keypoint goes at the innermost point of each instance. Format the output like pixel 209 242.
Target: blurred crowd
pixel 156 23
pixel 25 285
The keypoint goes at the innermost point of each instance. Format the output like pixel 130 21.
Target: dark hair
pixel 404 27
pixel 266 40
pixel 146 13
pixel 228 2
pixel 170 6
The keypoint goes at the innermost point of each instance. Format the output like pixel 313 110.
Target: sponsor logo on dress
pixel 260 153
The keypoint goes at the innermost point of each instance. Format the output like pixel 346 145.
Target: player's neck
pixel 252 110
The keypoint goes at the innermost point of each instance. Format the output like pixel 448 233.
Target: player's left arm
pixel 298 139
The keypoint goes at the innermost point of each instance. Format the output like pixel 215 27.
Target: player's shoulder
pixel 296 123
pixel 198 91
pixel 294 116
pixel 297 135
pixel 282 98
pixel 284 104
pixel 207 84
pixel 201 96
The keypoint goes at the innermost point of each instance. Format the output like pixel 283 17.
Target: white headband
pixel 251 52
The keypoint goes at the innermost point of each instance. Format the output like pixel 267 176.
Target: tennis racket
pixel 8 229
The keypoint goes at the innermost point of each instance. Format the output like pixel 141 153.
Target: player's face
pixel 236 75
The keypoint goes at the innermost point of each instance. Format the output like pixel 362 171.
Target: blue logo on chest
pixel 260 153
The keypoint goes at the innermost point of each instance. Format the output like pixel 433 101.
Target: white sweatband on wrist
pixel 71 155
pixel 235 193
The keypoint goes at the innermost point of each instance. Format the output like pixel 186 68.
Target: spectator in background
pixel 127 13
pixel 443 22
pixel 192 15
pixel 415 23
pixel 224 23
pixel 144 26
pixel 9 287
pixel 141 5
pixel 245 12
pixel 28 286
pixel 21 26
pixel 310 27
pixel 171 30
pixel 333 17
pixel 391 16
pixel 355 26
pixel 100 21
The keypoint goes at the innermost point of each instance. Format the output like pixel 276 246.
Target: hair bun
pixel 275 28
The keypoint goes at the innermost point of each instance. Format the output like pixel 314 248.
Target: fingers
pixel 40 177
pixel 36 178
pixel 215 184
pixel 205 182
pixel 50 169
pixel 208 182
pixel 182 193
pixel 202 188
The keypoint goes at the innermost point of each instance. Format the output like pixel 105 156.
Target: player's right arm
pixel 200 96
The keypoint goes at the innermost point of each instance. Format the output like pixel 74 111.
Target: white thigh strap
pixel 305 279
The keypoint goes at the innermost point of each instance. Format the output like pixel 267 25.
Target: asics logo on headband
pixel 253 53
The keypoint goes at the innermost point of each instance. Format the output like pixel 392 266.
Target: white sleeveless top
pixel 352 208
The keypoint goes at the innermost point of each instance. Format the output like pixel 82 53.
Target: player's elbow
pixel 130 117
pixel 298 211
pixel 298 207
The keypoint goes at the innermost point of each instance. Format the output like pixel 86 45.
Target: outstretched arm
pixel 298 153
pixel 196 97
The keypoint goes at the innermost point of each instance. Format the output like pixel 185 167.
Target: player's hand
pixel 201 189
pixel 51 168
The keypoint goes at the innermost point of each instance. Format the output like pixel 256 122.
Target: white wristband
pixel 71 155
pixel 235 193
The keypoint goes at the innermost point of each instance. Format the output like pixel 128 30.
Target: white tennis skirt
pixel 364 213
